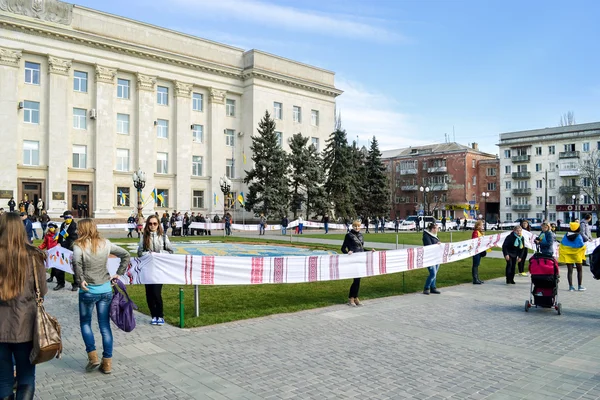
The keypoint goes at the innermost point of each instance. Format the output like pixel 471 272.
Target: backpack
pixel 121 308
pixel 595 263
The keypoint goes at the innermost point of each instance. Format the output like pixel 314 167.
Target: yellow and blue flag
pixel 240 198
pixel 154 195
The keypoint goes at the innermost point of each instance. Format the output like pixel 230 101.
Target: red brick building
pixel 453 178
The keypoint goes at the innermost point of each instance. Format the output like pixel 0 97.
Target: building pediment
pixel 45 10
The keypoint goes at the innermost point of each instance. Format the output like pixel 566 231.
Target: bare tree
pixel 589 169
pixel 568 119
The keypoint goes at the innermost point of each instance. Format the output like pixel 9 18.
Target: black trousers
pixel 154 300
pixel 354 288
pixel 60 277
pixel 510 269
pixel 523 259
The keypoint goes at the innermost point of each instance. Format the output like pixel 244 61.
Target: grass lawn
pixel 220 304
pixel 414 238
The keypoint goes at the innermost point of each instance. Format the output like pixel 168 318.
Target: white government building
pixel 87 98
pixel 540 170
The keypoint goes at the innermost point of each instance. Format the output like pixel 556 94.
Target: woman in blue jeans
pixel 430 238
pixel 90 255
pixel 19 261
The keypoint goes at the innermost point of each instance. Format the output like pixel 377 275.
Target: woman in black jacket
pixel 525 226
pixel 513 248
pixel 354 243
pixel 430 238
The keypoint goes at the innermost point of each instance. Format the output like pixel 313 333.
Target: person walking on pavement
pixel 354 243
pixel 44 219
pixel 90 256
pixel 571 251
pixel 367 224
pixel 396 224
pixel 326 223
pixel 67 235
pixel 300 224
pixel 444 224
pixel 477 233
pixel 154 240
pixel 512 249
pixel 19 262
pixel 430 238
pixel 131 223
pixel 546 240
pixel 284 224
pixel 262 223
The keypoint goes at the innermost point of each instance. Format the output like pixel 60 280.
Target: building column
pixel 104 197
pixel 9 119
pixel 183 147
pixel 146 134
pixel 216 147
pixel 58 138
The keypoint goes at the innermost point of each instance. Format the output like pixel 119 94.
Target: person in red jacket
pixel 477 233
pixel 51 238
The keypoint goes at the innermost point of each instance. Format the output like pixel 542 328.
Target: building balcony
pixel 569 190
pixel 411 171
pixel 569 171
pixel 409 188
pixel 521 175
pixel 521 158
pixel 568 154
pixel 521 192
pixel 436 187
pixel 437 170
pixel 521 207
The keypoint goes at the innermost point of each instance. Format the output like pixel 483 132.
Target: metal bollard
pixel 197 300
pixel 181 309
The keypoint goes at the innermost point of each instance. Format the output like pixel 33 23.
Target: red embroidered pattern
pixel 207 271
pixel 370 263
pixel 382 262
pixel 257 270
pixel 313 263
pixel 411 258
pixel 334 267
pixel 278 264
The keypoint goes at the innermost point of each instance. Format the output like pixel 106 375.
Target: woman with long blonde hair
pixel 154 240
pixel 18 262
pixel 90 256
pixel 477 233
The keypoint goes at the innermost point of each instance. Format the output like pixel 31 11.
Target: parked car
pixel 417 219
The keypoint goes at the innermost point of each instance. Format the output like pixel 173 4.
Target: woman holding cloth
pixel 354 243
pixel 477 233
pixel 154 240
pixel 512 248
pixel 430 238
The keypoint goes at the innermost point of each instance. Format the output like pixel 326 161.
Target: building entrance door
pixel 80 200
pixel 32 191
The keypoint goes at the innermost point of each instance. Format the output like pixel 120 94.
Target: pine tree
pixel 339 184
pixel 378 193
pixel 316 198
pixel 267 181
pixel 298 172
pixel 359 175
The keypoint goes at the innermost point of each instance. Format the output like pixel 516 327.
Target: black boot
pixel 9 397
pixel 25 392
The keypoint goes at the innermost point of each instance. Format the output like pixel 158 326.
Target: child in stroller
pixel 544 282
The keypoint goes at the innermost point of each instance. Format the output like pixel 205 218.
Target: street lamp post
pixel 225 184
pixel 139 182
pixel 485 196
pixel 575 198
pixel 425 191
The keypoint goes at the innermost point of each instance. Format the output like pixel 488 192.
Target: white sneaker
pixel 154 321
pixel 581 289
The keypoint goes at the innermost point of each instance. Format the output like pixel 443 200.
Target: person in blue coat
pixel 28 227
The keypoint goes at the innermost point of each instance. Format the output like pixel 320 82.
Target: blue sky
pixel 413 71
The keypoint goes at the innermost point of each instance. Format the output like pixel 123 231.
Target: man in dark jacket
pixel 28 227
pixel 12 204
pixel 67 234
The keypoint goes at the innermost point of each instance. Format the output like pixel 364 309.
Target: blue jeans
pixel 25 370
pixel 283 230
pixel 87 301
pixel 326 227
pixel 430 281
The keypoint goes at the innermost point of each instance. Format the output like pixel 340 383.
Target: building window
pixel 538 167
pixel 539 201
pixel 508 185
pixel 197 133
pixel 229 137
pixel 586 182
pixel 521 168
pixel 552 216
pixel 509 216
pixel 551 149
pixel 162 128
pixel 32 73
pixel 197 102
pixel 79 118
pixel 196 165
pixel 123 160
pixel 79 156
pixel 229 169
pixel 279 136
pixel 277 110
pixel 123 124
pixel 80 80
pixel 506 153
pixel 297 114
pixel 490 171
pixel 162 163
pixel 31 152
pixel 522 201
pixel 538 184
pixel 521 216
pixel 123 196
pixel 474 180
pixel 123 89
pixel 570 147
pixel 551 167
pixel 315 142
pixel 508 201
pixel 162 199
pixel 551 199
pixel 314 117
pixel 538 151
pixel 551 183
pixel 507 169
pixel 162 95
pixel 585 146
pixel 473 163
pixel 491 186
pixel 230 108
pixel 31 112
pixel 198 199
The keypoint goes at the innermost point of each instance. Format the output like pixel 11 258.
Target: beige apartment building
pixel 87 98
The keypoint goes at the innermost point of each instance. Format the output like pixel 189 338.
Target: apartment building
pixel 541 175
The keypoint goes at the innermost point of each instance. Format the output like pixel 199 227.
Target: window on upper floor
pixel 32 73
pixel 162 95
pixel 31 152
pixel 315 142
pixel 196 165
pixel 551 149
pixel 538 151
pixel 198 199
pixel 279 136
pixel 229 168
pixel 297 114
pixel 229 137
pixel 277 110
pixel 230 108
pixel 197 133
pixel 80 81
pixel 506 153
pixel 491 171
pixel 570 147
pixel 162 163
pixel 79 156
pixel 31 112
pixel 585 146
pixel 79 118
pixel 123 88
pixel 123 124
pixel 122 160
pixel 162 128
pixel 197 101
pixel 314 117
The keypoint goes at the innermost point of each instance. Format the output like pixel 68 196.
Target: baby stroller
pixel 544 283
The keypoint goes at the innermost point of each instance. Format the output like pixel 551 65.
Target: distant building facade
pixel 87 98
pixel 456 176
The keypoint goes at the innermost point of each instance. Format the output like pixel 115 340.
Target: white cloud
pixel 367 114
pixel 292 18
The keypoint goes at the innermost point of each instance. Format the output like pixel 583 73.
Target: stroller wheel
pixel 527 305
pixel 559 308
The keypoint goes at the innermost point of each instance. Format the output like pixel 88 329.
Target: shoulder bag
pixel 47 343
pixel 121 308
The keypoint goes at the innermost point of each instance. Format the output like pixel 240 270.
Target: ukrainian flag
pixel 465 214
pixel 161 197
pixel 240 198
pixel 154 195
pixel 571 251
